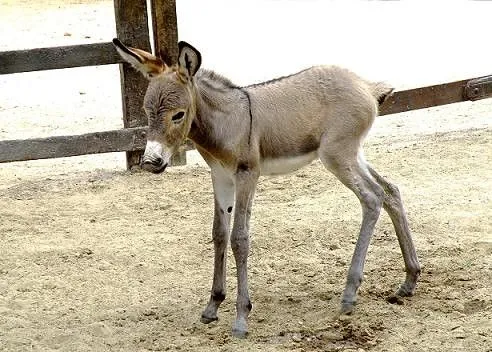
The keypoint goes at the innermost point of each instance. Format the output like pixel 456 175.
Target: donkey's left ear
pixel 189 59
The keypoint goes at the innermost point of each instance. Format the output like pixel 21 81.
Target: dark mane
pixel 217 78
pixel 275 80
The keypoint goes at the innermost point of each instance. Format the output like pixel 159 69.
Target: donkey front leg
pixel 223 185
pixel 246 180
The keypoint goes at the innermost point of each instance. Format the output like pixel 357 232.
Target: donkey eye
pixel 178 116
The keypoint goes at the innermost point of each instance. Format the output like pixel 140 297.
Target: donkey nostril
pixel 152 161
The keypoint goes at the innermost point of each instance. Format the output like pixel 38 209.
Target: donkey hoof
pixel 405 291
pixel 240 329
pixel 240 334
pixel 207 320
pixel 347 308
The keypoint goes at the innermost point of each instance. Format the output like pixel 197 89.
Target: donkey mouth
pixel 154 168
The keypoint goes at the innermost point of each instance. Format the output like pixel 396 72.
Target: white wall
pixel 409 43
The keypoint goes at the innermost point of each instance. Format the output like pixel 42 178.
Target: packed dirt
pixel 95 258
pixel 109 260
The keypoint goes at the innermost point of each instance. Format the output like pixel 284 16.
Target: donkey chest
pixel 284 165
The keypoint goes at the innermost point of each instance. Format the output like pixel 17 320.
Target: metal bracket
pixel 478 88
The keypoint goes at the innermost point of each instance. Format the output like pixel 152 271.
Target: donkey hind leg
pixel 352 172
pixel 224 200
pixel 394 207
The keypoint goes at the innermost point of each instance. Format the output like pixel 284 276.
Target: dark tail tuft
pixel 381 91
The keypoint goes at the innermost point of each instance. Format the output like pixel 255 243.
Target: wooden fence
pixel 132 29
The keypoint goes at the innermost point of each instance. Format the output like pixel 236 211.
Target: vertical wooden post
pixel 133 30
pixel 165 28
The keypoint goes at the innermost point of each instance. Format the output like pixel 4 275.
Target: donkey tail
pixel 381 91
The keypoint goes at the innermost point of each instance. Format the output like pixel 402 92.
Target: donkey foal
pixel 270 128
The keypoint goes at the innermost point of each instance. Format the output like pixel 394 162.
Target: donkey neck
pixel 222 114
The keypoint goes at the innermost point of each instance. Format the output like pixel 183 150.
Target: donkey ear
pixel 148 64
pixel 189 58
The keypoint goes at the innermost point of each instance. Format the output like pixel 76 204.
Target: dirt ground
pixel 113 261
pixel 95 258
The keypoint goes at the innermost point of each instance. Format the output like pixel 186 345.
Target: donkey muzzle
pixel 154 159
pixel 154 165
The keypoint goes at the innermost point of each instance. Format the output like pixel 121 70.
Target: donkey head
pixel 169 103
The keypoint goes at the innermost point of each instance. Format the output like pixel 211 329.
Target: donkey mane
pixel 212 79
pixel 275 80
pixel 212 76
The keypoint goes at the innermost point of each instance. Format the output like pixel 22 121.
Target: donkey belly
pixel 283 165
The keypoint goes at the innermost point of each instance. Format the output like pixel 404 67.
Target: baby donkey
pixel 269 128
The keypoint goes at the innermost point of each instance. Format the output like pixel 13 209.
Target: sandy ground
pixel 94 258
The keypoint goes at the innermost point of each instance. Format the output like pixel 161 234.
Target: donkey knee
pixel 240 242
pixel 392 190
pixel 372 202
pixel 392 193
pixel 392 201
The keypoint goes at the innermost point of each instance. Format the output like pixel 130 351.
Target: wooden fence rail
pixel 123 140
pixel 58 57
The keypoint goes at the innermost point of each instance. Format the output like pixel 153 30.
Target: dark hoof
pixel 208 320
pixel 404 291
pixel 347 308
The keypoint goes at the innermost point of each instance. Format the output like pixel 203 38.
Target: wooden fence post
pixel 165 29
pixel 133 30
